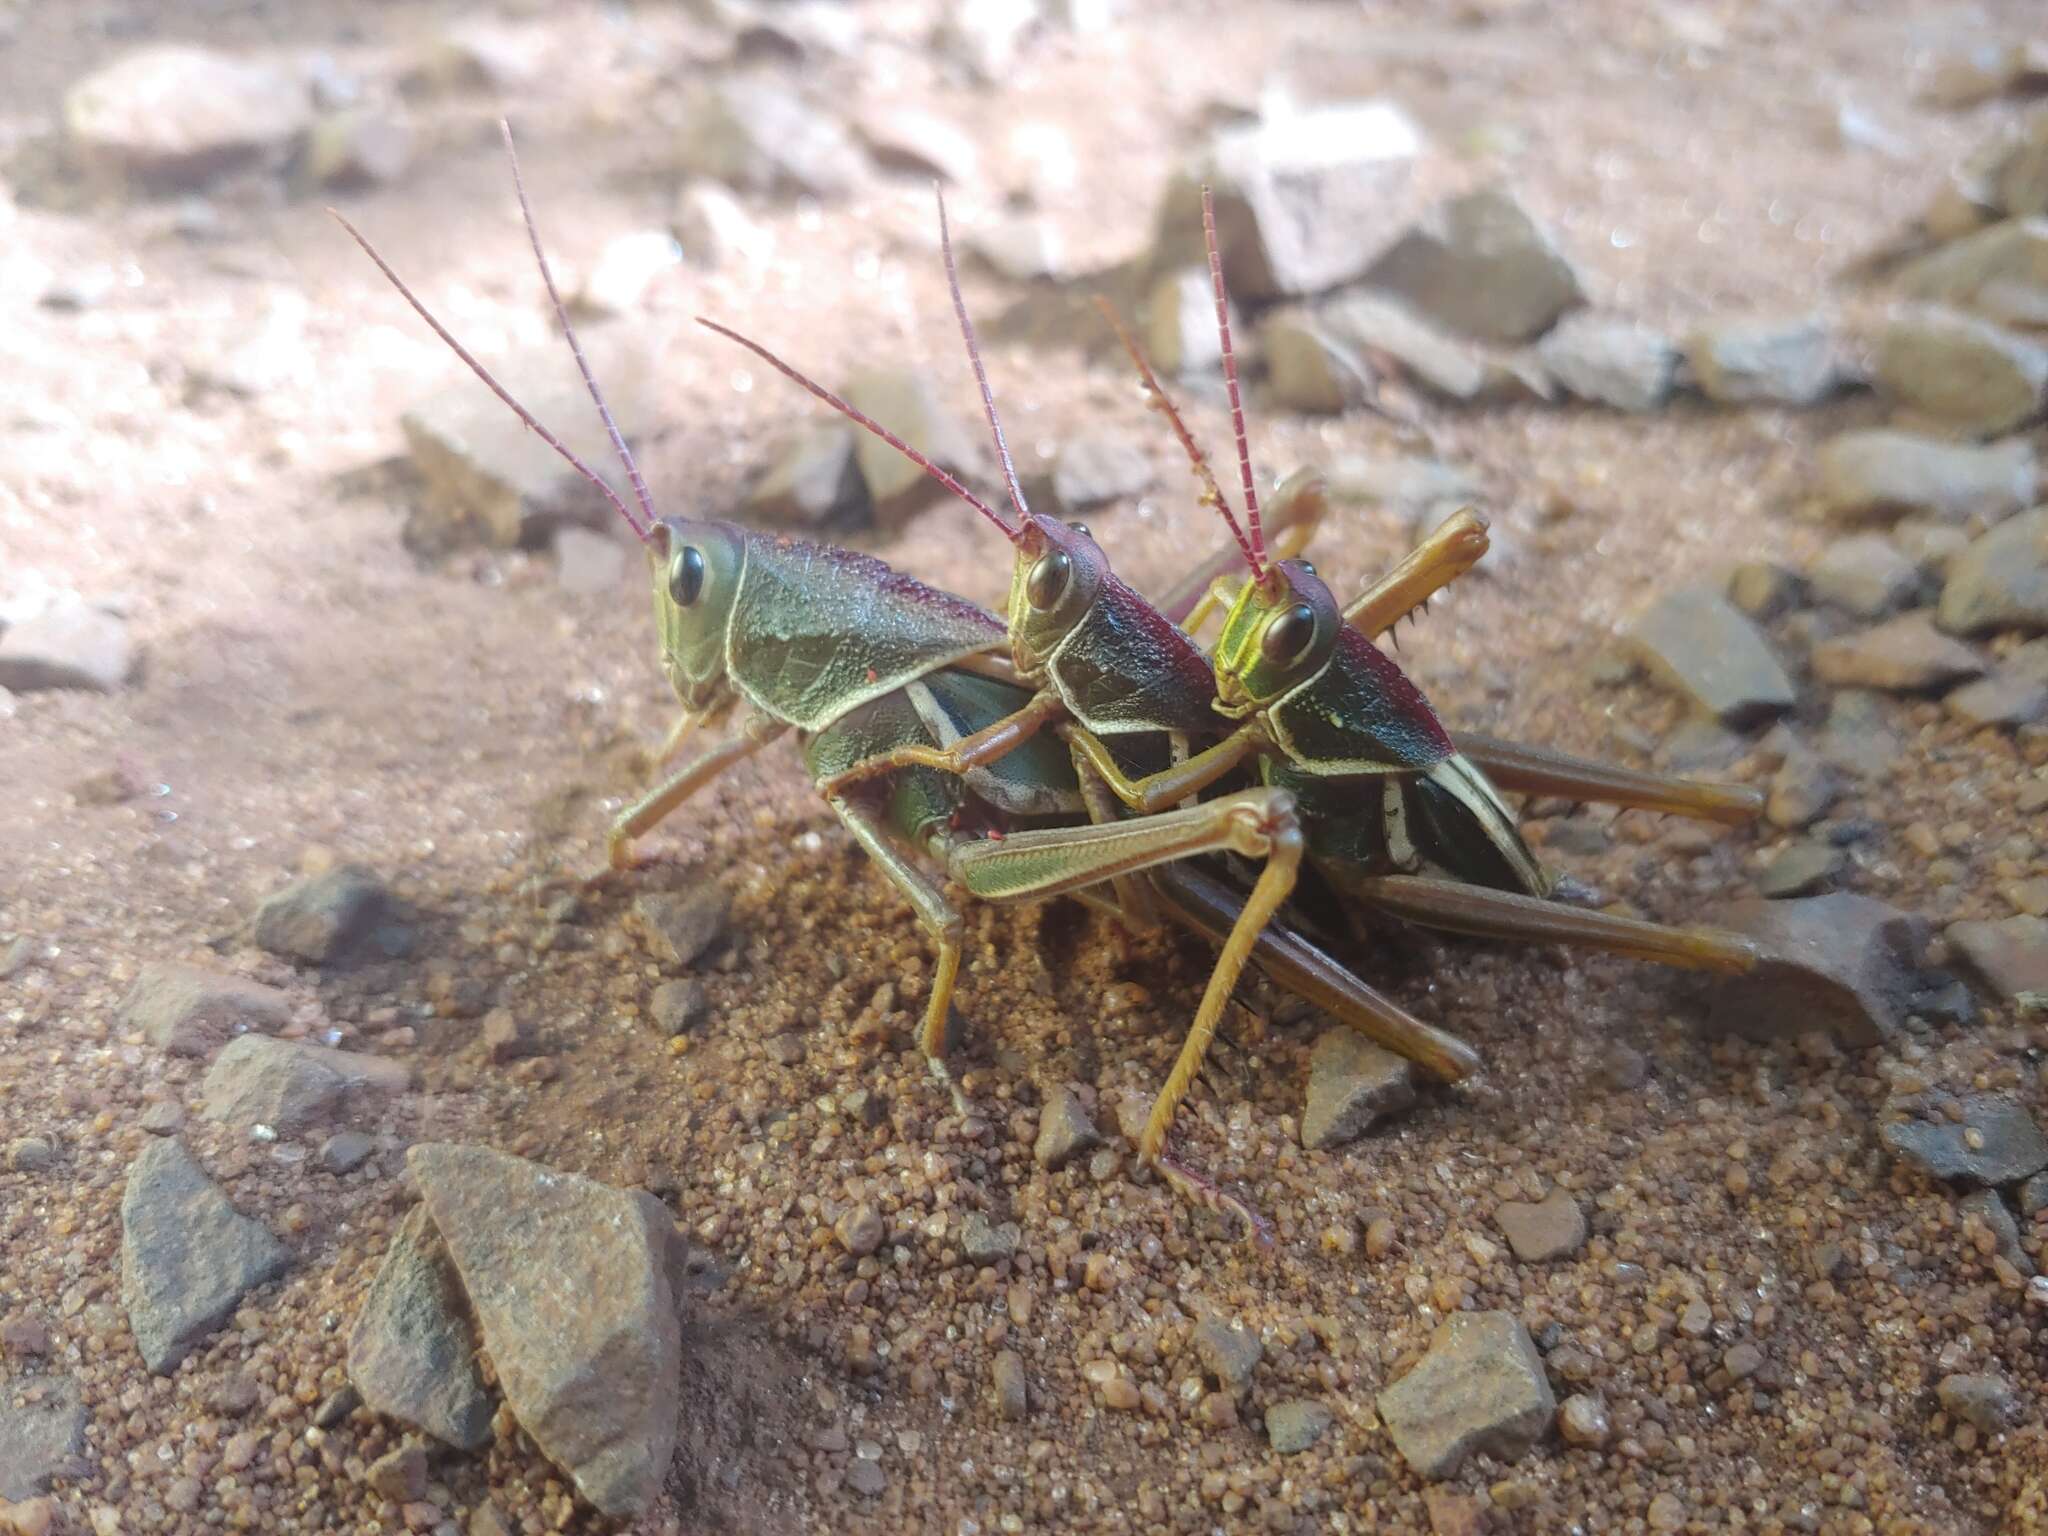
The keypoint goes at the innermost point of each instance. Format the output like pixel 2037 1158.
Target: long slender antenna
pixel 477 368
pixel 1212 493
pixel 1244 453
pixel 863 419
pixel 988 399
pixel 562 317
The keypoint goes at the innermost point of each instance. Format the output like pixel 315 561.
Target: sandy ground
pixel 310 691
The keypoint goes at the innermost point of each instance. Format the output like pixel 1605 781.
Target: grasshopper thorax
pixel 695 569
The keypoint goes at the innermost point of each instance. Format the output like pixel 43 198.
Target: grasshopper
pixel 1398 818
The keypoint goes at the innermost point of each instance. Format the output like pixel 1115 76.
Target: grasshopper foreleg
pixel 644 813
pixel 1156 791
pixel 987 745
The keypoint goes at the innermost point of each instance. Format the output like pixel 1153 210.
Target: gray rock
pixel 163 1118
pixel 812 479
pixel 1902 655
pixel 487 479
pixel 712 228
pixel 1064 1130
pixel 1180 324
pixel 1840 963
pixel 983 1242
pixel 1023 248
pixel 1480 266
pixel 2001 580
pixel 1988 1207
pixel 1764 362
pixel 2007 957
pixel 290 1086
pixel 1292 192
pixel 1352 1086
pixel 1309 369
pixel 411 1353
pixel 357 147
pixel 1865 575
pixel 2033 1196
pixel 1012 1396
pixel 1611 361
pixel 1995 1142
pixel 327 917
pixel 1229 1354
pixel 1886 472
pixel 1987 1401
pixel 1696 643
pixel 1763 590
pixel 176 116
pixel 1480 1390
pixel 753 134
pixel 1295 1425
pixel 188 1010
pixel 1855 737
pixel 42 1426
pixel 2015 694
pixel 1385 330
pixel 1803 869
pixel 68 644
pixel 1551 1228
pixel 680 1006
pixel 31 1154
pixel 400 1475
pixel 1093 469
pixel 1802 789
pixel 188 1257
pixel 1416 489
pixel 569 1282
pixel 588 562
pixel 346 1151
pixel 927 146
pixel 1968 373
pixel 628 266
pixel 679 927
pixel 905 402
pixel 2000 273
pixel 2019 167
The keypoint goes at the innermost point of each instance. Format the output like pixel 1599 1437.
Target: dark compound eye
pixel 1306 568
pixel 1047 582
pixel 1287 638
pixel 1081 529
pixel 686 576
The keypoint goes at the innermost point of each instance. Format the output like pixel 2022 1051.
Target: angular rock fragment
pixel 42 1426
pixel 1180 323
pixel 1480 1390
pixel 175 116
pixel 569 1282
pixel 357 147
pixel 68 644
pixel 1021 248
pixel 290 1086
pixel 1985 1400
pixel 812 480
pixel 753 134
pixel 188 1010
pixel 1229 1353
pixel 1968 373
pixel 905 402
pixel 2001 580
pixel 1611 361
pixel 711 227
pixel 1885 472
pixel 1695 641
pixel 1988 1208
pixel 1551 1228
pixel 1839 963
pixel 625 269
pixel 1804 869
pixel 1864 574
pixel 1480 266
pixel 1995 1142
pixel 1903 655
pixel 1309 369
pixel 1092 470
pixel 329 917
pixel 1065 1130
pixel 2014 694
pixel 2000 273
pixel 679 927
pixel 1295 1425
pixel 188 1257
pixel 411 1353
pixel 1385 330
pixel 2008 957
pixel 902 138
pixel 1352 1086
pixel 1753 362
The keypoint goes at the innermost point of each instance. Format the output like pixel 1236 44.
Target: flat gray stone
pixel 1180 331
pixel 1551 1228
pixel 2001 580
pixel 755 135
pixel 680 927
pixel 1229 1352
pixel 1968 373
pixel 1842 964
pixel 1480 1390
pixel 188 1010
pixel 1986 1400
pixel 985 1242
pixel 2008 957
pixel 906 402
pixel 1295 1425
pixel 412 1353
pixel 290 1086
pixel 42 1426
pixel 1864 575
pixel 1309 369
pixel 1996 1142
pixel 1906 654
pixel 328 917
pixel 1700 646
pixel 1353 1084
pixel 1608 360
pixel 487 479
pixel 1065 1130
pixel 188 1257
pixel 813 479
pixel 2014 694
pixel 1384 329
pixel 68 644
pixel 1094 469
pixel 1021 248
pixel 1988 1207
pixel 1764 362
pixel 1882 472
pixel 1806 868
pixel 921 143
pixel 176 116
pixel 569 1282
pixel 2000 273
pixel 1480 266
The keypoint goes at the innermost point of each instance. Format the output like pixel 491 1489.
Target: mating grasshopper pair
pixel 1073 763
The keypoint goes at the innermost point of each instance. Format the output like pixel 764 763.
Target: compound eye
pixel 1081 529
pixel 1047 583
pixel 1288 637
pixel 1306 568
pixel 686 576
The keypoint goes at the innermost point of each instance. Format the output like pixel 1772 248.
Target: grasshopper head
pixel 695 568
pixel 1278 634
pixel 1058 574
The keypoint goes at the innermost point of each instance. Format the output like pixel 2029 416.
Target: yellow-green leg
pixel 645 812
pixel 1453 547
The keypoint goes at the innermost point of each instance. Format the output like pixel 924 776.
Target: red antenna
pixel 1244 453
pixel 866 421
pixel 1212 493
pixel 988 399
pixel 642 530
